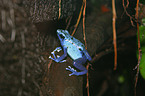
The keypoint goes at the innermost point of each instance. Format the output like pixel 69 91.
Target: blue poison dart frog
pixel 75 49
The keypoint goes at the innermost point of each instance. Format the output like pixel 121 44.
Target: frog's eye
pixel 61 36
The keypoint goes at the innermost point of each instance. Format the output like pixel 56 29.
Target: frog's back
pixel 81 46
pixel 77 48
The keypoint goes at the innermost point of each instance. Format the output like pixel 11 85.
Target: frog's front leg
pixel 59 58
pixel 78 63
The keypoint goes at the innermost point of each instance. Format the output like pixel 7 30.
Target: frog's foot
pixel 58 49
pixel 59 58
pixel 55 59
pixel 74 72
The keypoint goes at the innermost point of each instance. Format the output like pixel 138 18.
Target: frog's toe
pixel 74 73
pixel 51 58
pixel 71 74
pixel 62 61
pixel 70 69
pixel 58 56
pixel 52 52
pixel 58 49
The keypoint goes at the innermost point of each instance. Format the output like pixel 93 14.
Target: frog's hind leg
pixel 78 63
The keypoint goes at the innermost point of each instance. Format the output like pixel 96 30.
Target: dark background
pixel 28 35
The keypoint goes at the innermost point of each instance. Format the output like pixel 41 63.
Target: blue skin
pixel 75 49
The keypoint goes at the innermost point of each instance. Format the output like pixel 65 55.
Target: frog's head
pixel 62 34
